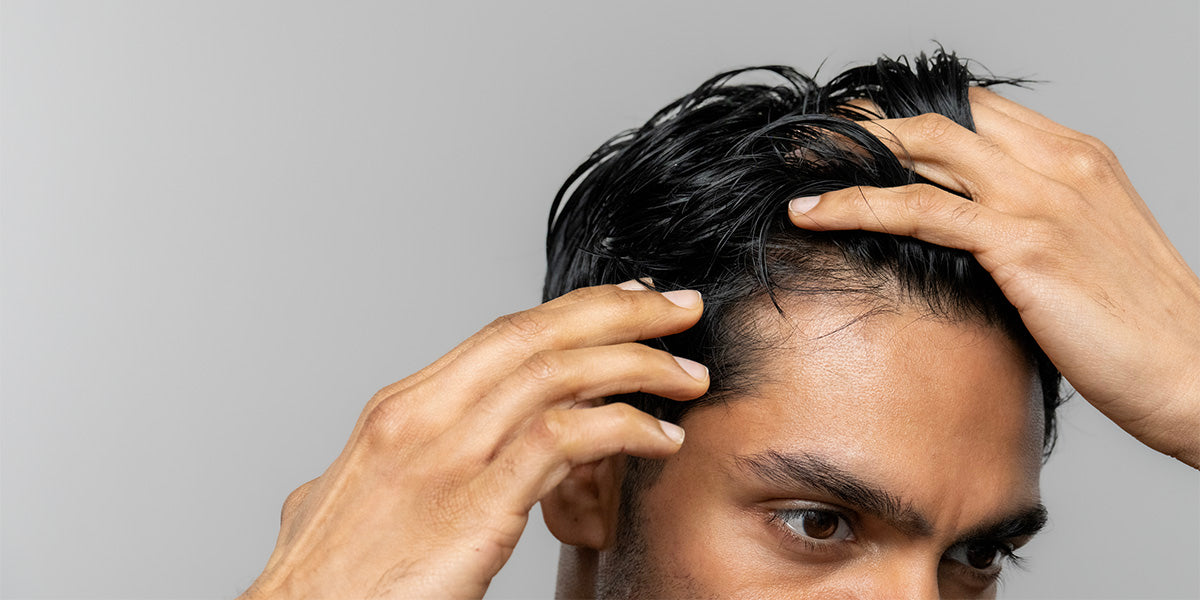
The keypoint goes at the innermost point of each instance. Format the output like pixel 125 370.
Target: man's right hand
pixel 434 488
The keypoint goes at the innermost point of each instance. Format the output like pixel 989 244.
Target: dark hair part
pixel 696 199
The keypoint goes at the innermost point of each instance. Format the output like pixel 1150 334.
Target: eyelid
pixel 779 516
pixel 992 574
pixel 795 506
pixel 1007 548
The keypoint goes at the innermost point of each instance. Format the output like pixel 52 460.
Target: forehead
pixel 935 409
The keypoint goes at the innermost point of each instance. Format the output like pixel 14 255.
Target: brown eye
pixel 984 557
pixel 819 524
pixel 981 556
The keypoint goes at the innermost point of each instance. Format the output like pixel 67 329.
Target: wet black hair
pixel 696 198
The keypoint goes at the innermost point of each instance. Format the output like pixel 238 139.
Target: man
pixel 871 407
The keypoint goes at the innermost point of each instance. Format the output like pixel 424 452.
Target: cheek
pixel 699 542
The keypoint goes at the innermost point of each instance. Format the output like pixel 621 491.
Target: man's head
pixel 875 400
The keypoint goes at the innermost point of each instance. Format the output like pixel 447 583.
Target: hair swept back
pixel 696 198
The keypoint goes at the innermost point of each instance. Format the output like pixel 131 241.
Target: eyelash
pixel 1007 555
pixel 782 516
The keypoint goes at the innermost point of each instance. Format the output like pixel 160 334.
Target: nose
pixel 910 580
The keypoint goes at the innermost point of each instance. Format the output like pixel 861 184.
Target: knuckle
pixel 611 298
pixel 645 354
pixel 386 423
pixel 1100 147
pixel 586 293
pixel 547 431
pixel 924 200
pixel 964 213
pixel 522 327
pixel 627 415
pixel 654 360
pixel 386 392
pixel 991 151
pixel 1088 162
pixel 856 199
pixel 293 501
pixel 542 366
pixel 625 301
pixel 934 126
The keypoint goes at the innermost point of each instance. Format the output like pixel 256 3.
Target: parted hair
pixel 696 198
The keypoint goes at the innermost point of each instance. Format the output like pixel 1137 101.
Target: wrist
pixel 1177 424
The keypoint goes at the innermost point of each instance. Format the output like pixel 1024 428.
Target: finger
pixel 1083 150
pixel 417 378
pixel 408 383
pixel 595 316
pixel 598 315
pixel 952 156
pixel 639 284
pixel 483 334
pixel 921 211
pixel 984 97
pixel 435 398
pixel 558 440
pixel 1056 151
pixel 1053 149
pixel 567 378
pixel 1049 147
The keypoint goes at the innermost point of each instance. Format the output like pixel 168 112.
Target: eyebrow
pixel 814 472
pixel 1025 523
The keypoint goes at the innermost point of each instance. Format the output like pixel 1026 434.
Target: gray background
pixel 225 225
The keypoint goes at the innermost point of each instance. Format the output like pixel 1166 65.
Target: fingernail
pixel 683 298
pixel 693 368
pixel 672 430
pixel 635 285
pixel 803 205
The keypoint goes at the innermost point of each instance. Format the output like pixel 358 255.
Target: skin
pixel 945 417
pixel 434 487
pixel 1059 226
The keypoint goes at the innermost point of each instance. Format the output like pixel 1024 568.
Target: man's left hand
pixel 1056 222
